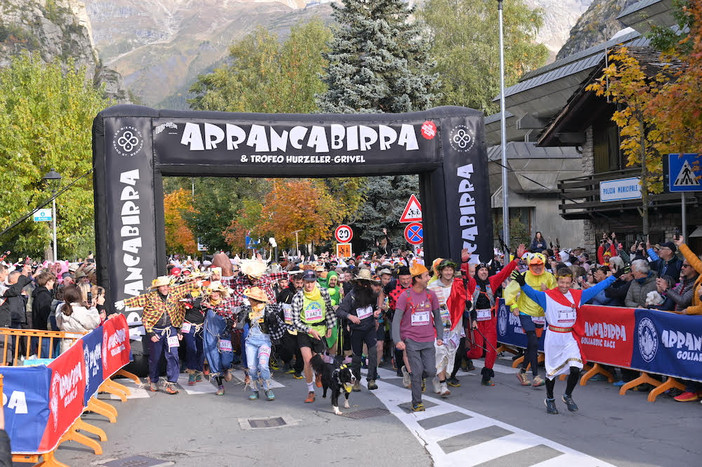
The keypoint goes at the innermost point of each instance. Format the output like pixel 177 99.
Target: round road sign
pixel 414 233
pixel 343 234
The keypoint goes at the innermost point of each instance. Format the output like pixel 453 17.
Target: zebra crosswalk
pixel 455 436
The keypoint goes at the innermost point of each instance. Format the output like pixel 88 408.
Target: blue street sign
pixel 42 215
pixel 684 172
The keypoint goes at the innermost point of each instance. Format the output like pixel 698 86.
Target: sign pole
pixel 684 214
pixel 53 220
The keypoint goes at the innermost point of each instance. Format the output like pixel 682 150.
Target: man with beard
pixel 360 307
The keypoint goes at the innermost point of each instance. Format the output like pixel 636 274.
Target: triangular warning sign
pixel 686 177
pixel 413 211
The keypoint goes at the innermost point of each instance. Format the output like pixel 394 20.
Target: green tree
pixel 378 60
pixel 466 48
pixel 46 115
pixel 386 197
pixel 264 75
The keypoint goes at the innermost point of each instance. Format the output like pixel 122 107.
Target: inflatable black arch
pixel 134 146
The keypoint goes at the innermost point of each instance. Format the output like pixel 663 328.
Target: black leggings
pixel 532 353
pixel 570 385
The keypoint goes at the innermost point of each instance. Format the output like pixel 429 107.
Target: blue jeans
pixel 194 353
pixel 258 353
pixel 215 329
pixel 161 347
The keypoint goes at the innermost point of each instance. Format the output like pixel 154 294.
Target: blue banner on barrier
pixel 92 353
pixel 26 403
pixel 509 328
pixel 668 343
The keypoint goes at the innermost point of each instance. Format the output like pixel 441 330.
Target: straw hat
pixel 257 294
pixel 253 268
pixel 364 275
pixel 217 286
pixel 160 281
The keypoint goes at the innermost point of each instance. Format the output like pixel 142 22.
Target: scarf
pixel 314 296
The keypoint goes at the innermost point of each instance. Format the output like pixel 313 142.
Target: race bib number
pixel 538 320
pixel 420 318
pixel 185 328
pixel 173 341
pixel 287 312
pixel 313 314
pixel 483 315
pixel 365 312
pixel 567 316
pixel 225 345
pixel 455 340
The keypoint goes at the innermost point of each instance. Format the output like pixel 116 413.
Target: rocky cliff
pixel 56 30
pixel 598 24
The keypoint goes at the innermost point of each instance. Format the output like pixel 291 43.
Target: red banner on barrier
pixel 607 334
pixel 115 345
pixel 65 394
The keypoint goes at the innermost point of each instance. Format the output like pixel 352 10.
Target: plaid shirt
pixel 297 303
pixel 265 283
pixel 154 306
pixel 276 326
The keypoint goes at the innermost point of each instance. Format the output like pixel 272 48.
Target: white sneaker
pixel 406 378
pixel 445 392
pixel 437 385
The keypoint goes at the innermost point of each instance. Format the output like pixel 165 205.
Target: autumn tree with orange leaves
pixel 179 237
pixel 659 114
pixel 305 205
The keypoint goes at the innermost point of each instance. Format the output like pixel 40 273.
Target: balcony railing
pixel 580 196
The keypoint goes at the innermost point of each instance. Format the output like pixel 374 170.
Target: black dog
pixel 336 377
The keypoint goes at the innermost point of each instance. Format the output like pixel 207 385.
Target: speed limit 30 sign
pixel 343 234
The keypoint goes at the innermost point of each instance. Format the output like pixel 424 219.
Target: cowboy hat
pixel 160 281
pixel 364 275
pixel 257 294
pixel 217 286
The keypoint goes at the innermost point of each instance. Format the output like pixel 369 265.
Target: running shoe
pixel 298 375
pixel 551 406
pixel 198 376
pixel 619 383
pixel 487 382
pixel 453 382
pixel 310 397
pixel 418 407
pixel 270 396
pixel 220 390
pixel 253 396
pixel 318 381
pixel 687 396
pixel 538 381
pixel 169 388
pixel 570 403
pixel 523 378
pixel 191 379
pixel 406 377
pixel 153 387
pixel 356 386
pixel 290 371
pixel 371 385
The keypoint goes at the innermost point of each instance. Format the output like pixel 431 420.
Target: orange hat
pixel 536 259
pixel 417 269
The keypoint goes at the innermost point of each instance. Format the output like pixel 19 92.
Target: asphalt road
pixel 502 425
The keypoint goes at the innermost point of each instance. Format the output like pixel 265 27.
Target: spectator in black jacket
pixel 13 310
pixel 42 296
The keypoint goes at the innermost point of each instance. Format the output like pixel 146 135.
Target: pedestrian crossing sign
pixel 684 172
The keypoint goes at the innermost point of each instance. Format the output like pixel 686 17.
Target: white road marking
pixel 203 387
pixel 512 440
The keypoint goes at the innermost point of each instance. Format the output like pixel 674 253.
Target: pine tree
pixel 378 60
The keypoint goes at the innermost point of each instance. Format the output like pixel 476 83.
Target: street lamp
pixel 503 130
pixel 297 247
pixel 53 178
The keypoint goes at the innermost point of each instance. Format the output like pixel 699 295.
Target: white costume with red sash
pixel 561 346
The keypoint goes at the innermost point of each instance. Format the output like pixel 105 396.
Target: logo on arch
pixel 128 141
pixel 428 129
pixel 461 138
